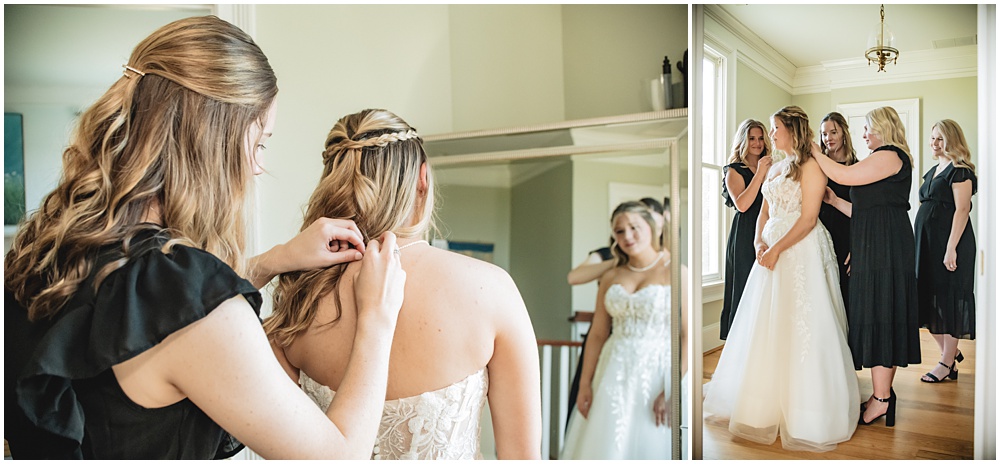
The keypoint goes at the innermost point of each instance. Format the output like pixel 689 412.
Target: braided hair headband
pixel 380 141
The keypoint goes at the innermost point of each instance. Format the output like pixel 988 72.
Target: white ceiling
pixel 837 32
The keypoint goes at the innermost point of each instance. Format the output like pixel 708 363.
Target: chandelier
pixel 881 45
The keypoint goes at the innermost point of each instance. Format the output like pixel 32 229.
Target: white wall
pixel 330 62
pixel 506 65
pixel 613 51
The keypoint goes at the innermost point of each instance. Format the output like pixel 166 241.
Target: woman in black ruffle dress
pixel 130 329
pixel 946 248
pixel 883 330
pixel 749 160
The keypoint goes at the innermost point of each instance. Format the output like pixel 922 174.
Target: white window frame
pixel 713 284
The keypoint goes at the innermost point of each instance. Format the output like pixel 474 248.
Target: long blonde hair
pixel 797 122
pixel 173 138
pixel 371 174
pixel 884 122
pixel 841 122
pixel 741 141
pixel 955 146
pixel 621 258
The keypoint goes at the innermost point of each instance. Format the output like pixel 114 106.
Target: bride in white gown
pixel 624 389
pixel 463 336
pixel 786 368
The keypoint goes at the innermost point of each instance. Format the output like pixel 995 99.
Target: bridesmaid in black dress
pixel 883 330
pixel 946 248
pixel 835 141
pixel 748 161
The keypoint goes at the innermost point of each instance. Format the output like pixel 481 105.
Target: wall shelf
pixel 651 132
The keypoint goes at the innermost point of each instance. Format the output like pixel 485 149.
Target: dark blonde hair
pixel 173 137
pixel 371 175
pixel 955 146
pixel 797 123
pixel 741 141
pixel 841 122
pixel 622 258
pixel 885 122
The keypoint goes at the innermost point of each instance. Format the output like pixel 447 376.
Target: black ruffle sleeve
pixel 960 174
pixel 137 306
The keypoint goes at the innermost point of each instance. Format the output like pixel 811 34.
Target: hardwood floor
pixel 933 421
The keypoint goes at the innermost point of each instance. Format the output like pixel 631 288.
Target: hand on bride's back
pixel 829 197
pixel 378 288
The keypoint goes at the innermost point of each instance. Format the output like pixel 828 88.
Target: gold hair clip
pixel 129 68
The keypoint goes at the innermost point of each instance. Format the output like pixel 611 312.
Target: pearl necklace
pixel 644 269
pixel 412 243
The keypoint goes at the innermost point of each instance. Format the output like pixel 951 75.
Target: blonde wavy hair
pixel 955 146
pixel 371 175
pixel 621 258
pixel 885 122
pixel 841 122
pixel 797 122
pixel 741 141
pixel 173 138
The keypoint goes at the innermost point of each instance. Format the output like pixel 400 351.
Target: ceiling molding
pixel 751 49
pixel 723 30
pixel 913 66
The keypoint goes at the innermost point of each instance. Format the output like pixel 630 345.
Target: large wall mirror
pixel 536 200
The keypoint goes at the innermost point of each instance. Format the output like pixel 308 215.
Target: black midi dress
pixel 740 253
pixel 947 300
pixel 883 328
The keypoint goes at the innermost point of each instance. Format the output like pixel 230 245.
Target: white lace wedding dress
pixel 440 424
pixel 631 372
pixel 786 368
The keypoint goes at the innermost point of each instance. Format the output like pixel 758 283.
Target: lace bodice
pixel 784 203
pixel 639 314
pixel 440 424
pixel 783 195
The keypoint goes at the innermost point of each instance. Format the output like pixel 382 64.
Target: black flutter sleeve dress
pixel 947 299
pixel 61 398
pixel 883 329
pixel 740 253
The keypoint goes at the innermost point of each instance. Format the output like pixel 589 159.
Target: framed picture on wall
pixel 13 169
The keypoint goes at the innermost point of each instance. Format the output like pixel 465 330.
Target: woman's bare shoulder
pixel 462 267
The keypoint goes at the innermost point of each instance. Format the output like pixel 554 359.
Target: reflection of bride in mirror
pixel 624 399
pixel 463 334
pixel 786 368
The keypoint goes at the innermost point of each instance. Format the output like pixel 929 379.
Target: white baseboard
pixel 710 337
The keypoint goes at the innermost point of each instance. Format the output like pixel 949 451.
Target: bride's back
pixel 461 319
pixel 446 329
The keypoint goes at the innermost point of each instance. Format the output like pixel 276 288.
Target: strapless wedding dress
pixel 440 424
pixel 786 368
pixel 631 372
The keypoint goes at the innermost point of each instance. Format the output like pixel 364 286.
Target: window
pixel 713 214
